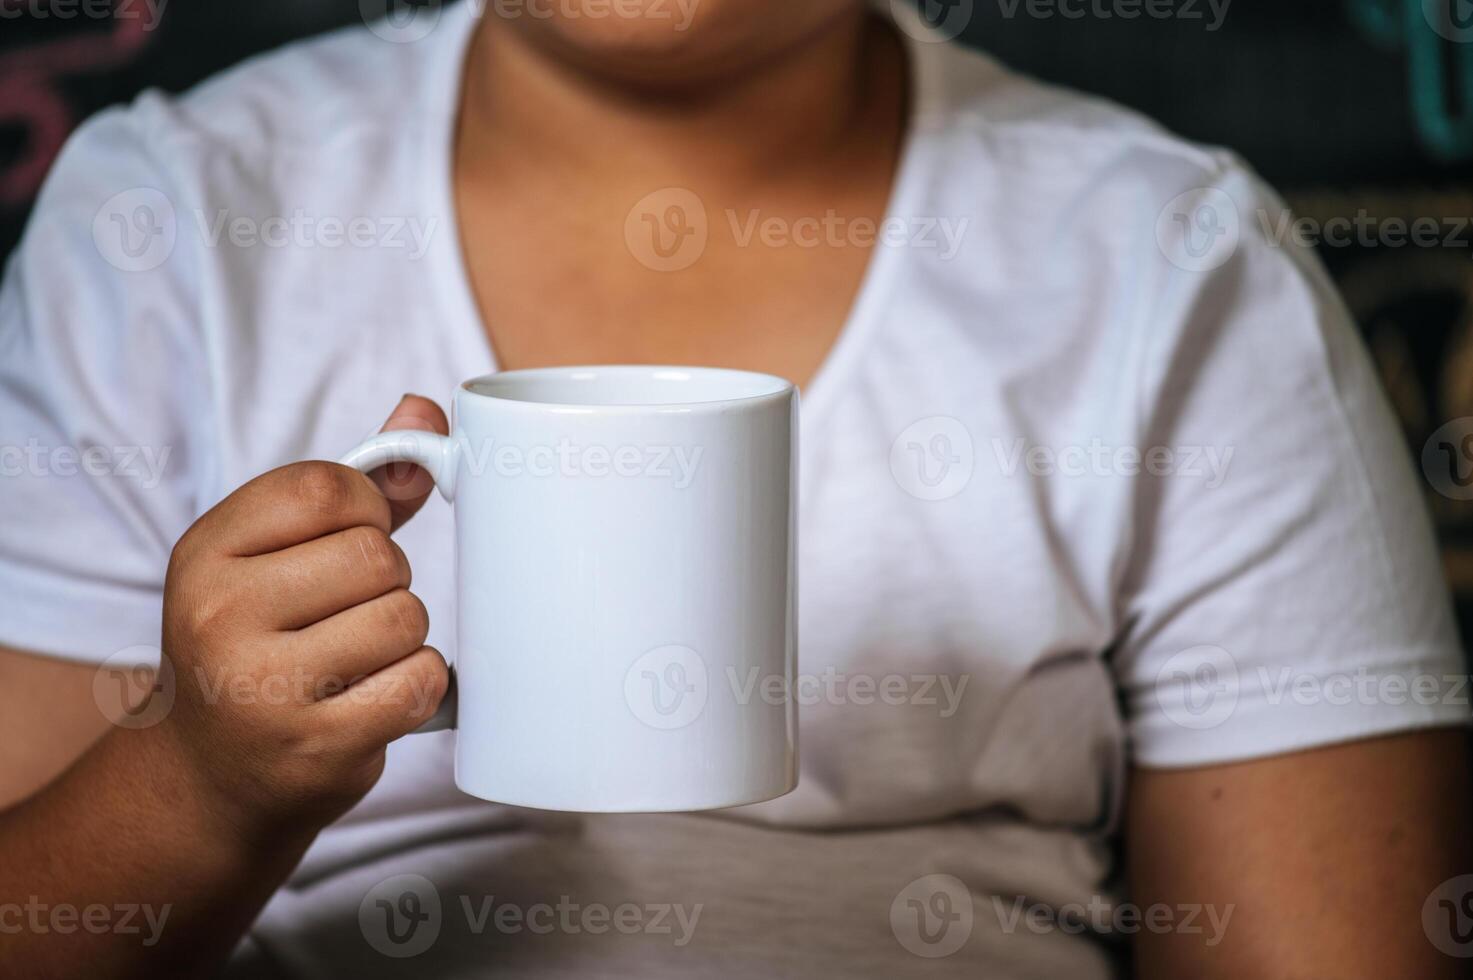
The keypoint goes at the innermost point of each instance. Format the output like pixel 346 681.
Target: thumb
pixel 406 485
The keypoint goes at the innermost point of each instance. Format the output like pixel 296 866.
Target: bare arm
pixel 1322 859
pixel 127 836
pixel 147 849
pixel 48 718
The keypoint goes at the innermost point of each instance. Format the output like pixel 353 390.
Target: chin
pixel 663 41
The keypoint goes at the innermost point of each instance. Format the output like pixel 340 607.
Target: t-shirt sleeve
pixel 100 403
pixel 1287 594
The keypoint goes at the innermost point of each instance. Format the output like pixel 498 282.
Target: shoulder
pixel 1074 173
pixel 1079 192
pixel 306 96
pixel 115 249
pixel 346 90
pixel 322 124
pixel 1022 124
pixel 1099 222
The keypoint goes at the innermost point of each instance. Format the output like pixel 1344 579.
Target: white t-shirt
pixel 1099 474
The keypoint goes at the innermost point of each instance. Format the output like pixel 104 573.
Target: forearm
pixel 192 823
pixel 124 867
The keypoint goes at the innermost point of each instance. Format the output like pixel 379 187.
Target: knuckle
pixel 177 572
pixel 318 744
pixel 324 487
pixel 211 604
pixel 180 554
pixel 208 615
pixel 191 546
pixel 376 556
pixel 405 616
pixel 435 680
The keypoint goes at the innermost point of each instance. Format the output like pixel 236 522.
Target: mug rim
pixel 775 387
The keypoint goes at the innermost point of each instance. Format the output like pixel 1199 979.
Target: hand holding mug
pixel 625 584
pixel 276 600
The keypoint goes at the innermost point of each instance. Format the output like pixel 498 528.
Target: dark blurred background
pixel 1350 107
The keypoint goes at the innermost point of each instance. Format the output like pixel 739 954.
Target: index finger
pixel 293 504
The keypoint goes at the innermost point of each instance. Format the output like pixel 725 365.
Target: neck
pixel 530 106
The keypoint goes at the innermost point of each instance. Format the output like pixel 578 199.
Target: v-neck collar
pixel 452 273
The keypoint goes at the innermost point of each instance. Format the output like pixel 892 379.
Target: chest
pixel 672 278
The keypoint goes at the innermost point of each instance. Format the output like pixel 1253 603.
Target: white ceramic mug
pixel 625 584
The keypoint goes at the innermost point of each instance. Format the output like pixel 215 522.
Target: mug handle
pixel 437 455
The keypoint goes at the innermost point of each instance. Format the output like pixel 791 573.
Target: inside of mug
pixel 624 385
